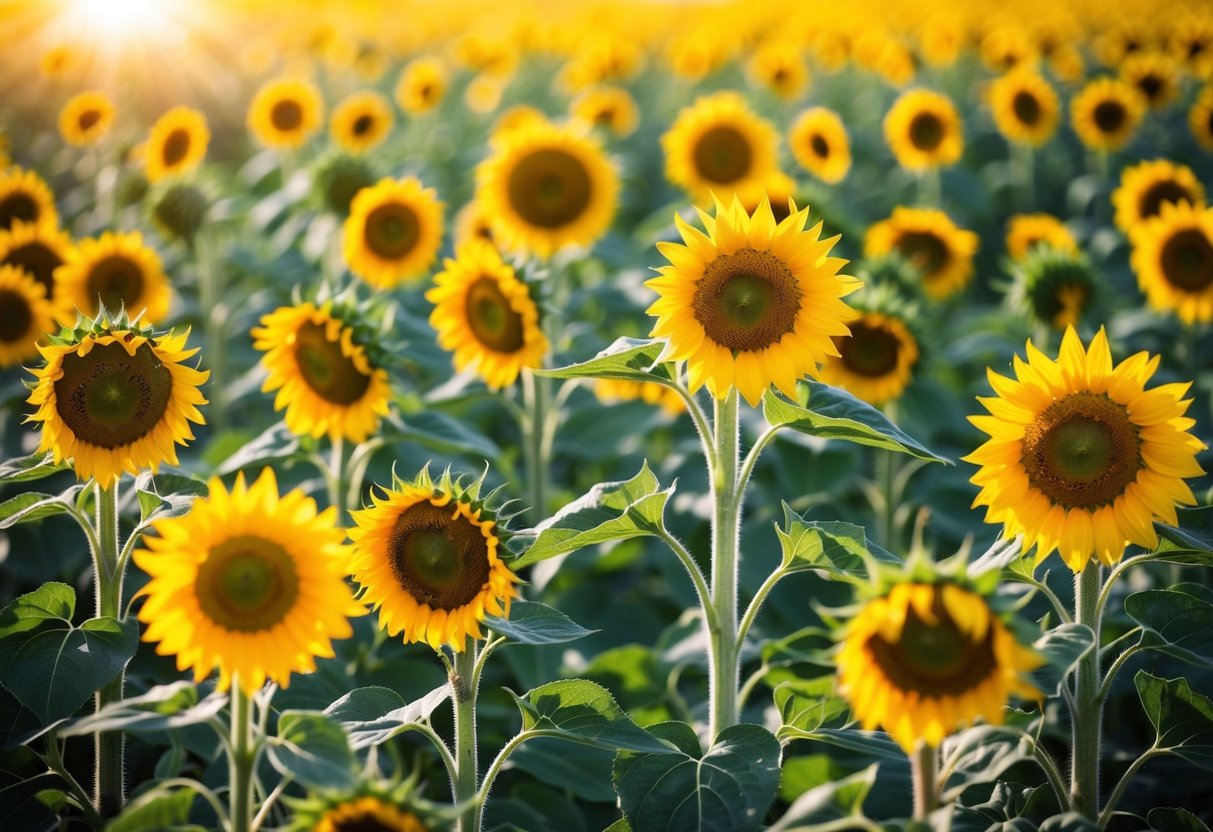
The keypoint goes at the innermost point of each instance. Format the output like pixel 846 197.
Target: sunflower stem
pixel 1023 160
pixel 536 393
pixel 886 473
pixel 464 684
pixel 723 631
pixel 924 770
pixel 929 187
pixel 210 291
pixel 336 477
pixel 240 760
pixel 109 787
pixel 1088 709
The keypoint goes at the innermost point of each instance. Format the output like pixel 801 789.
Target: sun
pixel 123 18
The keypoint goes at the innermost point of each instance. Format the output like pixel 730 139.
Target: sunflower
pixel 820 144
pixel 611 108
pixel 361 121
pixel 1081 457
pixel 1106 113
pixel 422 85
pixel 426 557
pixel 484 92
pixel 25 316
pixel 486 316
pixel 325 379
pixel 369 814
pixel 612 390
pixel 779 190
pixel 249 582
pixel 1155 75
pixel 545 187
pixel 923 130
pixel 177 144
pixel 471 223
pixel 25 197
pixel 932 243
pixel 393 231
pixel 924 660
pixel 38 249
pixel 86 118
pixel 1173 259
pixel 1026 231
pixel 1025 107
pixel 285 112
pixel 337 178
pixel 520 115
pixel 117 271
pixel 1192 43
pixel 719 146
pixel 875 361
pixel 1054 286
pixel 114 398
pixel 750 303
pixel 58 61
pixel 1147 186
pixel 1200 119
pixel 779 66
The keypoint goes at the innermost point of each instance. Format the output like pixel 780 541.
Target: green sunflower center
pixel 1082 451
pixel 110 398
pixel 88 119
pixel 549 188
pixel 1165 190
pixel 1109 116
pixel 116 281
pixel 176 147
pixel 15 316
pixel 40 260
pixel 723 154
pixel 1026 108
pixel 247 584
pixel 392 231
pixel 286 115
pixel 491 318
pixel 747 300
pixel 925 250
pixel 332 375
pixel 363 124
pixel 870 350
pixel 820 146
pixel 926 132
pixel 17 206
pixel 441 559
pixel 1187 261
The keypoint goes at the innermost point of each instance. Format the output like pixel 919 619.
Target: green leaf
pixel 1175 820
pixel 1193 534
pixel 312 748
pixel 874 744
pixel 620 825
pixel 24 807
pixel 828 802
pixel 275 444
pixel 163 708
pixel 33 467
pixel 1062 648
pixel 1182 718
pixel 442 433
pixel 831 546
pixel 629 359
pixel 533 623
pixel 1177 621
pixel 52 667
pixel 831 413
pixel 806 705
pixel 999 556
pixel 162 809
pixel 584 712
pixel 728 789
pixel 991 750
pixel 1069 822
pixel 610 511
pixel 583 770
pixel 373 715
pixel 30 506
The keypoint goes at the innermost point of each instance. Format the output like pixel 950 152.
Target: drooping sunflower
pixel 1155 75
pixel 1173 259
pixel 285 112
pixel 422 85
pixel 25 197
pixel 1025 107
pixel 1054 286
pixel 116 271
pixel 545 187
pixel 485 315
pixel 38 248
pixel 177 144
pixel 393 232
pixel 426 557
pixel 361 121
pixel 611 108
pixel 750 303
pixel 876 360
pixel 1147 186
pixel 942 252
pixel 1082 457
pixel 923 130
pixel 25 316
pixel 325 378
pixel 923 660
pixel 611 390
pixel 1027 231
pixel 86 118
pixel 178 209
pixel 1106 113
pixel 779 66
pixel 337 178
pixel 1200 118
pixel 719 146
pixel 112 397
pixel 820 144
pixel 249 583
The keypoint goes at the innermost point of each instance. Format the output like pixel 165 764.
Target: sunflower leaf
pixel 1182 718
pixel 832 413
pixel 806 705
pixel 829 803
pixel 275 444
pixel 1175 820
pixel 163 708
pixel 33 467
pixel 832 546
pixel 1191 542
pixel 31 506
pixel 312 748
pixel 1062 648
pixel 439 432
pixel 534 623
pixel 373 715
pixel 158 808
pixel 583 711
pixel 1177 620
pixel 627 359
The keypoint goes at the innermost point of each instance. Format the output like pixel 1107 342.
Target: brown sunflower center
pixel 426 92
pixel 39 259
pixel 15 316
pixel 439 558
pixel 492 319
pixel 89 119
pixel 1082 451
pixel 17 206
pixel 1165 190
pixel 374 819
pixel 926 131
pixel 820 146
pixel 747 301
pixel 550 188
pixel 392 230
pixel 332 375
pixel 1187 261
pixel 247 584
pixel 870 350
pixel 176 147
pixel 1151 86
pixel 925 250
pixel 1109 116
pixel 936 658
pixel 116 281
pixel 110 398
pixel 363 124
pixel 286 115
pixel 723 155
pixel 1026 108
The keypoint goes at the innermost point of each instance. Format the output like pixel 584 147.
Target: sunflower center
pixel 439 558
pixel 1150 85
pixel 550 188
pixel 1167 190
pixel 363 124
pixel 870 350
pixel 176 146
pixel 1082 451
pixel 723 155
pixel 747 301
pixel 17 206
pixel 492 319
pixel 926 131
pixel 248 584
pixel 286 115
pixel 925 251
pixel 15 316
pixel 330 373
pixel 110 398
pixel 1026 107
pixel 392 231
pixel 1187 261
pixel 1109 116
pixel 116 281
pixel 363 823
pixel 820 146
pixel 40 260
pixel 88 119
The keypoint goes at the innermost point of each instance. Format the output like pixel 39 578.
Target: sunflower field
pixel 606 416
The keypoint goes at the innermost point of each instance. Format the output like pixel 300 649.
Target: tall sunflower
pixel 393 232
pixel 1147 186
pixel 1173 259
pixel 325 378
pixel 361 121
pixel 820 144
pixel 719 146
pixel 39 249
pixel 86 118
pixel 177 144
pixel 1106 113
pixel 25 316
pixel 422 85
pixel 25 197
pixel 249 583
pixel 114 398
pixel 1027 231
pixel 750 303
pixel 285 112
pixel 923 130
pixel 1082 457
pixel 485 315
pixel 116 271
pixel 942 252
pixel 611 108
pixel 1155 75
pixel 545 187
pixel 1025 107
pixel 426 557
pixel 876 360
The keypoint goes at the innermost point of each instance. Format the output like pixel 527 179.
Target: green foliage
pixel 582 711
pixel 1182 718
pixel 530 622
pixel 313 749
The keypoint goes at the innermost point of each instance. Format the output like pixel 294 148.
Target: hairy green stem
pixel 336 477
pixel 214 313
pixel 536 393
pixel 109 786
pixel 886 474
pixel 240 760
pixel 727 503
pixel 1118 792
pixel 1087 714
pixel 464 684
pixel 924 770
